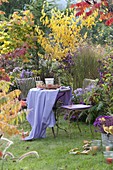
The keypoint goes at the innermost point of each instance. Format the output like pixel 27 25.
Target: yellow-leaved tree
pixel 64 33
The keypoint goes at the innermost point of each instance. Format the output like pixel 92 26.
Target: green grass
pixel 54 152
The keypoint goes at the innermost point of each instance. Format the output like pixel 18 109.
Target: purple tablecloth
pixel 40 103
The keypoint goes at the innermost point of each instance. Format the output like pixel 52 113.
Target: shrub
pixel 102 96
pixel 10 109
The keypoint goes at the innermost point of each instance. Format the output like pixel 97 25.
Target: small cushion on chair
pixel 76 107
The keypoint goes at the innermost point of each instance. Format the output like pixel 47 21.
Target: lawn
pixel 54 152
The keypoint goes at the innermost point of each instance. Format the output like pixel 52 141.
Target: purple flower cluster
pixel 26 74
pixel 68 61
pixel 103 120
pixel 16 70
pixel 105 68
pixel 78 92
pixel 89 88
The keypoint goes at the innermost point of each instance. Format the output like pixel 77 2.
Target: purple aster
pixel 79 92
pixel 22 75
pixel 103 120
pixel 16 69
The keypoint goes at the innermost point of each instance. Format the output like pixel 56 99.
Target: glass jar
pixel 95 145
pixel 108 156
pixel 109 146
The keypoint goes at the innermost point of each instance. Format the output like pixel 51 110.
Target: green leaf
pixel 100 106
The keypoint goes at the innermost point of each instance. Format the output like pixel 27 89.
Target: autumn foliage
pixel 2 1
pixel 4 75
pixel 64 33
pixel 10 109
pixel 17 37
pixel 86 8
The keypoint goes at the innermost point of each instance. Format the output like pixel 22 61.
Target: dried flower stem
pixel 5 154
pixel 27 154
pixel 8 144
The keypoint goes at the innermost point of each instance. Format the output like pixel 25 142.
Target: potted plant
pixel 24 80
pixel 49 69
pixel 104 125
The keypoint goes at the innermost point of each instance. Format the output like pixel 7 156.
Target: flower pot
pixel 25 85
pixel 106 139
pixel 49 81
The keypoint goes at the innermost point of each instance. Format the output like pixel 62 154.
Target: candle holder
pixel 108 146
pixel 39 83
pixel 95 146
pixel 108 156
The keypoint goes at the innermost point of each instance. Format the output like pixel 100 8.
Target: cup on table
pixel 49 81
pixel 39 83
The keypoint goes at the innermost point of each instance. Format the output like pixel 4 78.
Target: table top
pixel 61 89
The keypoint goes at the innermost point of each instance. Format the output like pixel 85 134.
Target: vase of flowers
pixel 104 125
pixel 24 80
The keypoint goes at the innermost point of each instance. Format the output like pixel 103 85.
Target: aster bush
pixel 101 97
pixel 104 91
pixel 18 72
pixel 81 93
pixel 104 124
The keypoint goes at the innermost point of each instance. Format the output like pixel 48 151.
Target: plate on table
pixel 49 86
pixel 52 86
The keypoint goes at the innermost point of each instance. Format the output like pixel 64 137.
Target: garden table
pixel 40 103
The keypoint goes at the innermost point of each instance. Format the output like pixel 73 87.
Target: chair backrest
pixel 89 82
